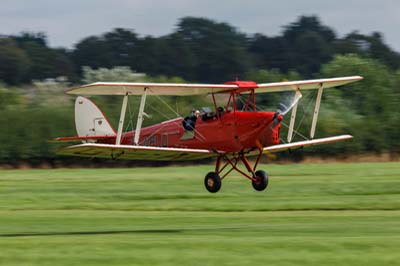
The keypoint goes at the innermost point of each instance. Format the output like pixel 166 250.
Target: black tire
pixel 261 182
pixel 212 182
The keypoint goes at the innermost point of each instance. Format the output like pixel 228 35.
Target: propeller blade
pixel 296 99
pixel 285 108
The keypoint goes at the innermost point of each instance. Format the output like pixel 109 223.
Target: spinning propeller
pixel 286 105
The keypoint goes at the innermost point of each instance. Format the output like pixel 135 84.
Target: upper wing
pixel 299 144
pixel 121 88
pixel 130 152
pixel 306 84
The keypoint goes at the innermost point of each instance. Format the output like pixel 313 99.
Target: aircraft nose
pixel 277 118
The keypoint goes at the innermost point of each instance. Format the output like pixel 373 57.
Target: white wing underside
pixel 132 152
pixel 300 144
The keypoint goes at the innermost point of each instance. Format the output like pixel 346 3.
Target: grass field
pixel 327 214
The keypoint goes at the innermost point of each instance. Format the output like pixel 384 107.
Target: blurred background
pixel 206 46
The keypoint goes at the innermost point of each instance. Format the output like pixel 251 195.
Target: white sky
pixel 67 22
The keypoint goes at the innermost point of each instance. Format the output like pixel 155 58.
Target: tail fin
pixel 90 120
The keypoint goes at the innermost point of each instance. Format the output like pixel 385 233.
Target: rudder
pixel 90 120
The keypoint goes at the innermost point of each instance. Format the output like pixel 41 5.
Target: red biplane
pixel 227 133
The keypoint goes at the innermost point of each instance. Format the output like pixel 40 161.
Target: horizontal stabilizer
pixel 131 152
pixel 299 144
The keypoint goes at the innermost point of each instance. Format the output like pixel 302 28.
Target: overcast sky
pixel 67 22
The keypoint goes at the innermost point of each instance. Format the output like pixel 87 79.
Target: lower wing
pixel 84 138
pixel 131 152
pixel 300 144
pixel 149 153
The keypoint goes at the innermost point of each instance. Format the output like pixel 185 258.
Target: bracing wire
pixel 172 109
pixel 201 137
pixel 295 131
pixel 305 109
pixel 131 114
pixel 308 100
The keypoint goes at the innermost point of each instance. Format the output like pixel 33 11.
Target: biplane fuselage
pixel 233 131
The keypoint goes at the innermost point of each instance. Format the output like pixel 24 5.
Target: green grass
pixel 326 214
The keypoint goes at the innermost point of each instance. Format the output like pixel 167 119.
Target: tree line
pixel 198 50
pixel 33 107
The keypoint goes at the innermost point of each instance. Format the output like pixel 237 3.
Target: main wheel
pixel 212 182
pixel 261 181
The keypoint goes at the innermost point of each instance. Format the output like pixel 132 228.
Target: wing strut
pixel 140 117
pixel 316 110
pixel 293 115
pixel 121 119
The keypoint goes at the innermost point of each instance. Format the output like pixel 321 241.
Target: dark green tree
pixel 368 46
pixel 219 51
pixel 116 48
pixel 46 62
pixel 372 99
pixel 14 62
pixel 303 46
pixel 309 45
pixel 269 52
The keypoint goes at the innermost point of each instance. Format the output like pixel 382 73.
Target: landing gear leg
pixel 259 179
